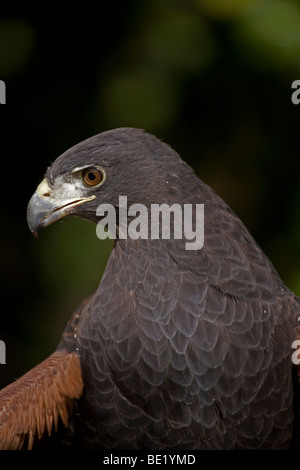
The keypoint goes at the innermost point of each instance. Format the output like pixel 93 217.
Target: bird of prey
pixel 177 348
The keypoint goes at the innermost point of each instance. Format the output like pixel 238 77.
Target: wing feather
pixel 33 404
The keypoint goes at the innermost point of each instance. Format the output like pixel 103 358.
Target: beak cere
pixel 46 207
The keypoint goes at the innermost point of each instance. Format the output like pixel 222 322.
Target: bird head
pixel 121 162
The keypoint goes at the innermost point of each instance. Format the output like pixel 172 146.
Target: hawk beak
pixel 45 207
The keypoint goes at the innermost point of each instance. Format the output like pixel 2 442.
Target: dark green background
pixel 212 78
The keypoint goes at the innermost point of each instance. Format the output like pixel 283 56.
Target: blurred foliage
pixel 269 32
pixel 17 44
pixel 139 97
pixel 223 10
pixel 212 78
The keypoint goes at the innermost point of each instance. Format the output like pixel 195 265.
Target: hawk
pixel 177 348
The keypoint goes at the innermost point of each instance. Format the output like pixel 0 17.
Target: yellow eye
pixel 92 176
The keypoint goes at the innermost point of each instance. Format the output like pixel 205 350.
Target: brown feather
pixel 32 404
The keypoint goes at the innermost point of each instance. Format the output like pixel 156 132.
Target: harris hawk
pixel 176 349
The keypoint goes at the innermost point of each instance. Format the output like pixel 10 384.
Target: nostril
pixel 46 194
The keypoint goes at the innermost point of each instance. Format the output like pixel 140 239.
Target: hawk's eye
pixel 92 176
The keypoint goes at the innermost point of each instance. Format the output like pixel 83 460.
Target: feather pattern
pixel 33 404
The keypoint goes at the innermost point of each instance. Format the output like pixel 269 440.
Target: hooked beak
pixel 45 208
